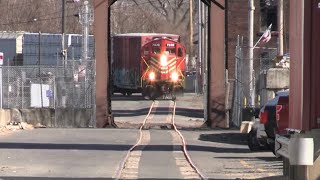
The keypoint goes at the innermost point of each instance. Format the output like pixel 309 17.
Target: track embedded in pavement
pixel 132 157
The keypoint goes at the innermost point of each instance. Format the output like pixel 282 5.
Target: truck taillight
pixel 278 109
pixel 264 117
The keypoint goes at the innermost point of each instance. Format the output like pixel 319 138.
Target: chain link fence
pixel 263 60
pixel 69 90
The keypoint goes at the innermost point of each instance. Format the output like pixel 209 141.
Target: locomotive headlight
pixel 174 76
pixel 152 76
pixel 163 60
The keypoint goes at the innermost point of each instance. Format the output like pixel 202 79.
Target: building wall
pixel 237 15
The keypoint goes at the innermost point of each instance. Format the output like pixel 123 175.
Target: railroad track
pixel 129 166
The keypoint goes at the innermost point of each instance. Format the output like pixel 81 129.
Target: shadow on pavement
pixel 116 147
pixel 60 178
pixel 46 178
pixel 227 138
pixel 275 178
pixel 195 113
pixel 268 159
pixel 133 97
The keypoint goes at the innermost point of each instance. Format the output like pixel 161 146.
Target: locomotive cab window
pixel 171 50
pixel 156 50
pixel 180 52
pixel 146 51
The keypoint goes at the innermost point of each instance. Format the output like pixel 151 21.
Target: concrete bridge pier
pixel 304 81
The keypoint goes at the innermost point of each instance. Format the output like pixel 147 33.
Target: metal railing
pixel 282 146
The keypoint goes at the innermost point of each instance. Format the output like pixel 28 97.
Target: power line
pixel 19 5
pixel 24 5
pixel 33 21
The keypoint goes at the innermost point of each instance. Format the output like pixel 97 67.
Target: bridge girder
pixel 216 81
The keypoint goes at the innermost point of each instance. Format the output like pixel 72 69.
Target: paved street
pixel 96 153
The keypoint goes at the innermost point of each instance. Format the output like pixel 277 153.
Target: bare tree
pixel 162 16
pixel 35 16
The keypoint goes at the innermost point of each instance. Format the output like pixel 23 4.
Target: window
pixel 156 50
pixel 171 50
pixel 180 52
pixel 268 14
pixel 146 51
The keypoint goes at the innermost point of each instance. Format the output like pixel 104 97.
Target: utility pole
pixel 250 45
pixel 280 27
pixel 39 69
pixel 204 49
pixel 86 19
pixel 205 58
pixel 191 32
pixel 199 59
pixel 63 30
pixel 1 89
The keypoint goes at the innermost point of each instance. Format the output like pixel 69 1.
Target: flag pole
pixel 269 28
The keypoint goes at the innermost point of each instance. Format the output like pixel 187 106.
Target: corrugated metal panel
pixel 27 44
pixel 74 42
pixel 8 47
pixel 126 61
pixel 8 40
pixel 31 49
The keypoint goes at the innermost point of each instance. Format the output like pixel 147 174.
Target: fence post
pixel 9 87
pixel 22 90
pixel 1 90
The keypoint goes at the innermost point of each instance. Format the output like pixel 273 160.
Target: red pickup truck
pixel 273 119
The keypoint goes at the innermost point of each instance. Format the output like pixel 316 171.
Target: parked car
pixel 273 119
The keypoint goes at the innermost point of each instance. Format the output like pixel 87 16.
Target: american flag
pixel 266 35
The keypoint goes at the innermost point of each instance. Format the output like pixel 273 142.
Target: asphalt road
pixel 96 153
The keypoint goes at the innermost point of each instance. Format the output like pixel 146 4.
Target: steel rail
pixel 184 145
pixel 123 162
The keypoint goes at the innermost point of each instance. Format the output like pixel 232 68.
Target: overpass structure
pixel 304 103
pixel 304 75
pixel 216 75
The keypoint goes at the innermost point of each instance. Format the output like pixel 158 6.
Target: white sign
pixel 75 77
pixel 36 100
pixel 1 58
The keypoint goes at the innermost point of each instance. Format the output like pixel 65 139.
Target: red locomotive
pixel 162 68
pixel 148 63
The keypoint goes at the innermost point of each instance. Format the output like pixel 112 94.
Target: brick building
pixel 237 24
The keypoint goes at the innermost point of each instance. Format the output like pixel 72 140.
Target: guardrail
pixel 282 146
pixel 298 149
pixel 282 143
